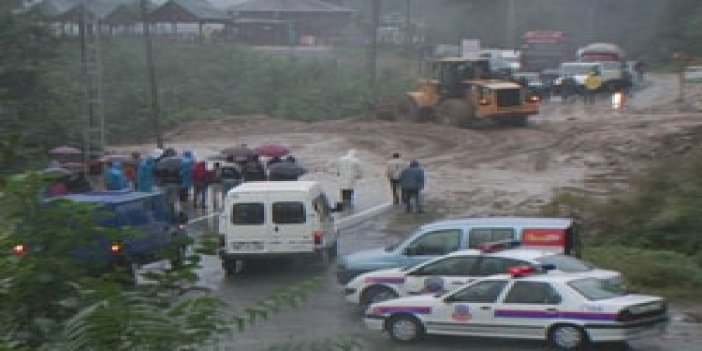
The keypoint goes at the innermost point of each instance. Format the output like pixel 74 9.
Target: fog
pixel 634 24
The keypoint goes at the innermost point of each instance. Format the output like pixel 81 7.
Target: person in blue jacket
pixel 412 182
pixel 145 175
pixel 115 179
pixel 186 175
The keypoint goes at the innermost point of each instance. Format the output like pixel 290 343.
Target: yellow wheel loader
pixel 463 92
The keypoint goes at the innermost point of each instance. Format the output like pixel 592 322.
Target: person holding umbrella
pixel 253 169
pixel 57 176
pixel 231 176
pixel 200 178
pixel 167 171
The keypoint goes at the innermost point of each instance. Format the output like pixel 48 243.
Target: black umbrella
pixel 285 170
pixel 167 170
pixel 169 163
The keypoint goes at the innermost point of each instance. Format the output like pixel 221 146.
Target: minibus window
pixel 288 213
pixel 488 235
pixel 247 213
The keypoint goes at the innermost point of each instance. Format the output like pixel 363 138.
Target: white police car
pixel 567 310
pixel 447 272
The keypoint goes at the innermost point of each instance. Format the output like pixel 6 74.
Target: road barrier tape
pixel 354 219
pixel 202 218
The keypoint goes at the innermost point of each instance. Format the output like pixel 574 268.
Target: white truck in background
pixel 608 59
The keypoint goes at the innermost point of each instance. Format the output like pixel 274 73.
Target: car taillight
pixel 318 237
pixel 115 248
pixel 19 250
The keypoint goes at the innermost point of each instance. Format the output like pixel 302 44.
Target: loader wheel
pixel 456 112
pixel 407 110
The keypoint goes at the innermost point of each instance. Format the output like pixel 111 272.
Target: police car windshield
pixel 565 263
pixel 597 289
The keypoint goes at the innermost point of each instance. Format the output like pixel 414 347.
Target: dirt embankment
pixel 589 149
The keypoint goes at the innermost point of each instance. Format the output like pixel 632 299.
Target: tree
pixel 33 104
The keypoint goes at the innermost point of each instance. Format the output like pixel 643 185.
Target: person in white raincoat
pixel 349 172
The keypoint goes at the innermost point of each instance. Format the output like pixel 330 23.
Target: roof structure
pixel 188 11
pixel 306 6
pixel 72 10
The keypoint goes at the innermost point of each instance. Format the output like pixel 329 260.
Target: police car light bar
pixel 520 271
pixel 498 245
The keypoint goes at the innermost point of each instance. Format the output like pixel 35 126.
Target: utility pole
pixel 373 47
pixel 91 61
pixel 408 26
pixel 509 35
pixel 155 109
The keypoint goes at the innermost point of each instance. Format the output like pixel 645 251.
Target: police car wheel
pixel 568 337
pixel 377 294
pixel 405 328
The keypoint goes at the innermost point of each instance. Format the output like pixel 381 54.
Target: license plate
pixel 247 246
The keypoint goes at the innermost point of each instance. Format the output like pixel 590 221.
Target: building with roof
pixel 68 15
pixel 189 12
pixel 289 22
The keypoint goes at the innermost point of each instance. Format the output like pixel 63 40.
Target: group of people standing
pixel 406 182
pixel 182 176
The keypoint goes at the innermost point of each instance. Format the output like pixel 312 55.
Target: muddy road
pixel 588 149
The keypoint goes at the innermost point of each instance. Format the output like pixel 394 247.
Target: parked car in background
pixel 442 237
pixel 567 310
pixel 532 82
pixel 460 267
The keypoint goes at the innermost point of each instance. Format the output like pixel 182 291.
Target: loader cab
pixel 453 75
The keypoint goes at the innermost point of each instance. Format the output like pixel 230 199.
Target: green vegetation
pixel 204 81
pixel 650 232
pixel 657 271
